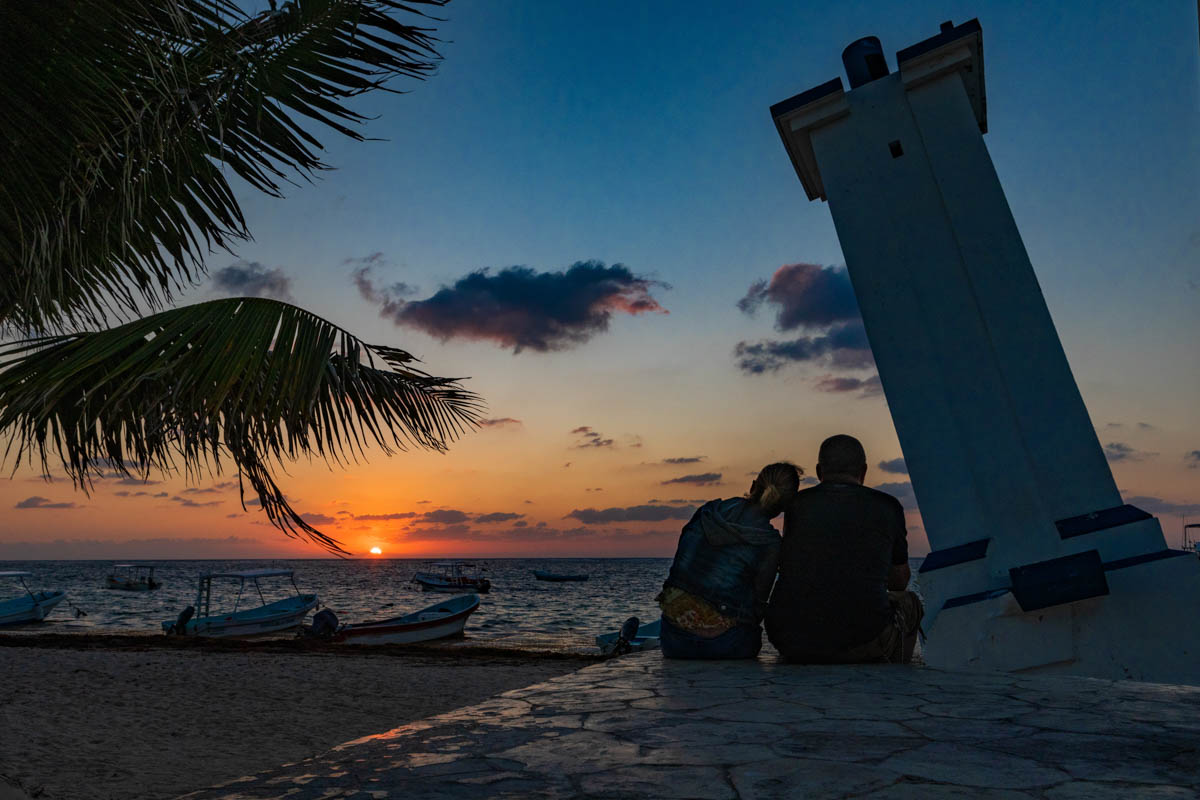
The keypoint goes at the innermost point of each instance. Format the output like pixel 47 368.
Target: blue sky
pixel 639 133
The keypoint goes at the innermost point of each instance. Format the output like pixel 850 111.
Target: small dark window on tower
pixel 896 149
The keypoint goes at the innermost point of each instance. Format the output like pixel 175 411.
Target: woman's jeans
pixel 740 641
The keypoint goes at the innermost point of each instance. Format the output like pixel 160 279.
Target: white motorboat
pixel 132 578
pixel 29 607
pixel 280 615
pixel 439 621
pixel 454 577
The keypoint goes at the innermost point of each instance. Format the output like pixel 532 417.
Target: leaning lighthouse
pixel 1037 564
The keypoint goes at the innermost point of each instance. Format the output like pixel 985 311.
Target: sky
pixel 667 311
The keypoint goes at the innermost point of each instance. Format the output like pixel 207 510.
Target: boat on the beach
pixel 454 577
pixel 281 615
pixel 439 621
pixel 646 638
pixel 555 577
pixel 29 607
pixel 133 578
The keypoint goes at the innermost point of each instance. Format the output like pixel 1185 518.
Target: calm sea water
pixel 519 610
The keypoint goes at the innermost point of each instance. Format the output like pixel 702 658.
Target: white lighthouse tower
pixel 1037 565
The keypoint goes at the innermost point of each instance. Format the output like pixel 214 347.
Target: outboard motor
pixel 628 633
pixel 324 624
pixel 182 620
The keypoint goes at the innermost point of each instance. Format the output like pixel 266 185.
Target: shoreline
pixel 143 716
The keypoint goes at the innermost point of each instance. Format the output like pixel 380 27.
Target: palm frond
pixel 120 117
pixel 252 380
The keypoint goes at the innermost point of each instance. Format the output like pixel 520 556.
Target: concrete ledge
pixel 641 726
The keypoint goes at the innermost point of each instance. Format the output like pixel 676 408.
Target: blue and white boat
pixel 29 607
pixel 281 615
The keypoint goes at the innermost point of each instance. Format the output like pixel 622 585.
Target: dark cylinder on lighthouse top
pixel 864 61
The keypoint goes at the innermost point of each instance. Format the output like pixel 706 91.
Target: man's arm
pixel 900 572
pixel 898 577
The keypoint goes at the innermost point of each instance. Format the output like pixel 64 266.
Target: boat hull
pixel 433 583
pixel 436 622
pixel 23 610
pixel 132 586
pixel 647 637
pixel 272 618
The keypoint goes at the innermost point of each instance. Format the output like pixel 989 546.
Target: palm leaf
pixel 255 381
pixel 119 118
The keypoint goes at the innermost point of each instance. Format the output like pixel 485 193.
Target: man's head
pixel 842 458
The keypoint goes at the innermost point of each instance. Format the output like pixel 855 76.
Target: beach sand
pixel 95 717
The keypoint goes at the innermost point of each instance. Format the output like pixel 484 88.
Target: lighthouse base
pixel 1146 627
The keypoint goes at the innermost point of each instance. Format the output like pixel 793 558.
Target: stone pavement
pixel 644 727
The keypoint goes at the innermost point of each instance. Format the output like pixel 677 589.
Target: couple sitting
pixel 842 568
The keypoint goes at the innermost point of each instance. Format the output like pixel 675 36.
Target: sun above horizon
pixel 375 551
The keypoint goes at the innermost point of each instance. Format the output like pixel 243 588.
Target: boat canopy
pixel 15 574
pixel 251 573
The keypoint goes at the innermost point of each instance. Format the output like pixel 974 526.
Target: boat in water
pixel 555 577
pixel 29 607
pixel 281 615
pixel 645 638
pixel 132 578
pixel 439 621
pixel 454 577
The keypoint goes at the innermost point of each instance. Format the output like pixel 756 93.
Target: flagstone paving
pixel 645 727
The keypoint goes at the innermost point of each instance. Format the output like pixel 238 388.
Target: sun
pixel 375 551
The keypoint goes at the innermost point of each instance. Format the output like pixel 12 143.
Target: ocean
pixel 519 610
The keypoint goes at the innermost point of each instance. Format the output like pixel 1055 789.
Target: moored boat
pixel 29 607
pixel 133 578
pixel 280 615
pixel 646 638
pixel 439 621
pixel 555 577
pixel 454 577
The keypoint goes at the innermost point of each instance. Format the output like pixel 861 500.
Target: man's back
pixel 839 542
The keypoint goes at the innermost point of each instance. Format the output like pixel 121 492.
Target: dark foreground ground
pixel 90 717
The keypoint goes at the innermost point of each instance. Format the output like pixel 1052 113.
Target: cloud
pixel 699 479
pixel 805 296
pixel 589 438
pixel 443 516
pixel 41 502
pixel 521 308
pixel 318 519
pixel 648 513
pixel 896 466
pixel 1156 505
pixel 252 279
pixel 187 502
pixel 902 492
pixel 1119 451
pixel 497 516
pixel 500 422
pixel 1145 426
pixel 819 301
pixel 383 517
pixel 868 387
pixel 683 460
pixel 166 494
pixel 843 346
pixel 1193 459
pixel 129 481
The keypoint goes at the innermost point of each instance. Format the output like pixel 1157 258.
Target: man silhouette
pixel 841 596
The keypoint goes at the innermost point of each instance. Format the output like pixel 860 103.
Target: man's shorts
pixel 888 646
